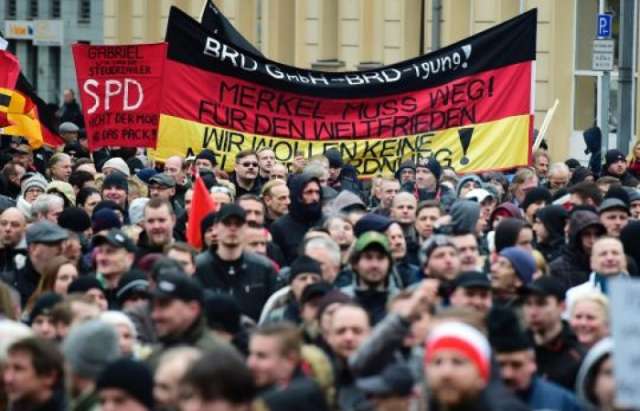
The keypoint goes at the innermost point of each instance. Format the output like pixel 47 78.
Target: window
pixel 84 11
pixel 33 9
pixel 11 11
pixel 55 9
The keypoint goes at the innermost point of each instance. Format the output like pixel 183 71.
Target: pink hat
pixel 464 339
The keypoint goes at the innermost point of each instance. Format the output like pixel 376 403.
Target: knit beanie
pixel 130 376
pixel 74 219
pixel 116 179
pixel 136 210
pixel 302 265
pixel 65 189
pixel 105 219
pixel 43 305
pixel 464 180
pixel 222 312
pixel 522 261
pixel 37 180
pixel 432 165
pixel 465 340
pixel 207 154
pixel 117 164
pixel 612 156
pixel 535 195
pixel 334 157
pixel 83 284
pixel 89 347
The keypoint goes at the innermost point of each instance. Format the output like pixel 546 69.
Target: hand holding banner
pixel 120 89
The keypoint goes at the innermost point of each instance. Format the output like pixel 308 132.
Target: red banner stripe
pixel 250 107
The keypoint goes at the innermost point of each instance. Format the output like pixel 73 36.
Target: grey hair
pixel 559 168
pixel 329 245
pixel 41 204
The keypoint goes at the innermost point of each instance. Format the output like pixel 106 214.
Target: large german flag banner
pixel 470 104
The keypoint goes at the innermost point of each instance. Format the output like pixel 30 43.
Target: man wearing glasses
pixel 245 176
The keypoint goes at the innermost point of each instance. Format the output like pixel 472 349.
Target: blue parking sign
pixel 603 25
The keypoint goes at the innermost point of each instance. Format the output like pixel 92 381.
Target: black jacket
pixel 554 218
pixel 559 359
pixel 289 230
pixel 26 281
pixel 251 282
pixel 626 179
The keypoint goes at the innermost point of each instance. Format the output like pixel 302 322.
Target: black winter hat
pixel 334 157
pixel 130 376
pixel 84 283
pixel 554 218
pixel 534 195
pixel 619 192
pixel 116 179
pixel 506 233
pixel 207 154
pixel 222 312
pixel 505 332
pixel 74 219
pixel 371 222
pixel 613 156
pixel 432 165
pixel 132 283
pixel 43 305
pixel 302 265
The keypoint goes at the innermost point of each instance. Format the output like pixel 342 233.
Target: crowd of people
pixel 314 289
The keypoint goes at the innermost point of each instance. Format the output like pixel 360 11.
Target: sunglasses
pixel 247 165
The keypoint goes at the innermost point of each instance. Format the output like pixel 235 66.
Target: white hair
pixel 328 244
pixel 42 204
pixel 10 332
pixel 116 318
pixel 559 168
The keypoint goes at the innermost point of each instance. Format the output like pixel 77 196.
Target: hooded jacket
pixel 589 367
pixel 464 180
pixel 554 218
pixel 464 216
pixel 288 231
pixel 573 265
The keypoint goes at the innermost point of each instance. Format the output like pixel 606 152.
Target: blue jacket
pixel 544 395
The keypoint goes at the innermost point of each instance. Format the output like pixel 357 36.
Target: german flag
pixel 45 114
pixel 20 116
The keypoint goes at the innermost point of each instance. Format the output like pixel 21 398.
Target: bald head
pixel 174 167
pixel 12 227
pixel 403 208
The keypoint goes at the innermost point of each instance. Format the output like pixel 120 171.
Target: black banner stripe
pixel 513 41
pixel 5 100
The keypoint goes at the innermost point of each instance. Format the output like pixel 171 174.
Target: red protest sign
pixel 121 90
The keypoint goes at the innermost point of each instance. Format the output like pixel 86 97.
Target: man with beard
pixel 245 175
pixel 305 211
pixel 228 269
pixel 440 259
pixel 372 263
pixel 159 221
pixel 517 361
pixel 616 166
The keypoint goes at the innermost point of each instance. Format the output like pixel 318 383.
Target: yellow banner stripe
pixel 493 145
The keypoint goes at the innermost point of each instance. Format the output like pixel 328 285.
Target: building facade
pixel 40 33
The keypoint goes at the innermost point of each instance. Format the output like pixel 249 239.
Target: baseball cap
pixel 230 210
pixel 472 279
pixel 479 195
pixel 613 204
pixel 116 238
pixel 45 232
pixel 395 379
pixel 178 286
pixel 371 238
pixel 545 286
pixel 163 180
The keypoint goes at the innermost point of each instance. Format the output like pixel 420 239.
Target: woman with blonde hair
pixel 589 317
pixel 58 273
pixel 634 160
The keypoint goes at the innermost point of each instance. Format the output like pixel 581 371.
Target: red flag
pixel 9 70
pixel 201 204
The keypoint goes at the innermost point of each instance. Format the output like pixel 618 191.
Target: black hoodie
pixel 554 218
pixel 573 266
pixel 288 231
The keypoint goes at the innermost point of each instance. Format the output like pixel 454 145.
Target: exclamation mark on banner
pixel 465 140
